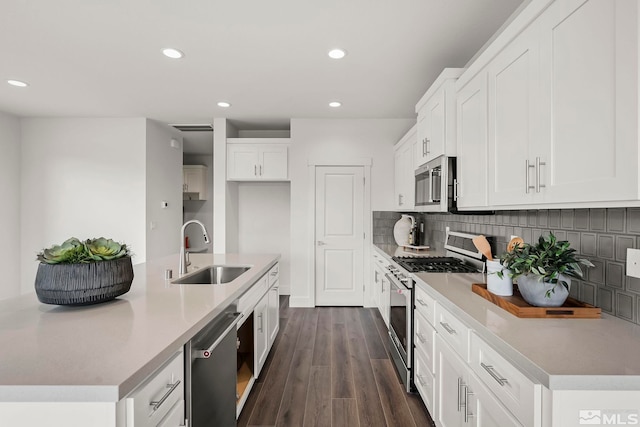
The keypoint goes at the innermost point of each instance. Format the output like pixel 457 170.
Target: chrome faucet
pixel 183 250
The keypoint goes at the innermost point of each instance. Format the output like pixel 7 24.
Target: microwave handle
pixel 430 185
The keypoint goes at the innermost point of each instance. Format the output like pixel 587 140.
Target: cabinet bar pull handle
pixel 428 141
pixel 260 170
pixel 399 199
pixel 421 381
pixel 467 393
pixel 456 194
pixel 261 325
pixel 421 337
pixel 424 147
pixel 157 403
pixel 460 404
pixel 421 302
pixel 526 177
pixel 255 170
pixel 491 371
pixel 538 164
pixel 448 328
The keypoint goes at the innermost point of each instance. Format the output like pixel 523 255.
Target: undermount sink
pixel 212 275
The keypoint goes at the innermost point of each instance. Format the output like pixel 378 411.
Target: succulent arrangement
pixel 74 251
pixel 548 259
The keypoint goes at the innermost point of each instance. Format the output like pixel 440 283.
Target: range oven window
pixel 399 315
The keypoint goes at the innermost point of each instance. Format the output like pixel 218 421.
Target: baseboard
pixel 300 302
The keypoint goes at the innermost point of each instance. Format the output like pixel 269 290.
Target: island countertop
pixel 100 353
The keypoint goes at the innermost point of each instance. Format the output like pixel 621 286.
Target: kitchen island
pixel 65 360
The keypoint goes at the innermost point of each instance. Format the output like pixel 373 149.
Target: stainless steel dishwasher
pixel 210 372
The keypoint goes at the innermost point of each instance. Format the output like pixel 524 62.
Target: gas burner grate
pixel 434 265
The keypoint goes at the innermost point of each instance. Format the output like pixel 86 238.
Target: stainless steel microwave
pixel 435 186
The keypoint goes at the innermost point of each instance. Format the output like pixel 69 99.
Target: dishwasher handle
pixel 205 354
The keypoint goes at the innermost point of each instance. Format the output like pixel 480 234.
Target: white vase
pixel 496 285
pixel 402 229
pixel 543 294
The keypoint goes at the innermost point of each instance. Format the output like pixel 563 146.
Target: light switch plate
pixel 633 262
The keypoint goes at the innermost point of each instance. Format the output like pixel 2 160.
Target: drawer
pixel 512 388
pixel 453 331
pixel 425 337
pixel 148 404
pixel 249 299
pixel 175 417
pixel 274 274
pixel 425 382
pixel 425 305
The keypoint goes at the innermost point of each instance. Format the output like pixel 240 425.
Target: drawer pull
pixel 421 337
pixel 421 302
pixel 421 381
pixel 448 328
pixel 157 403
pixel 467 393
pixel 491 371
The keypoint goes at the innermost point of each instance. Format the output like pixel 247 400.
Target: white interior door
pixel 339 233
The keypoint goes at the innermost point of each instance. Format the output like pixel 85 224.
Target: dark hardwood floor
pixel 329 366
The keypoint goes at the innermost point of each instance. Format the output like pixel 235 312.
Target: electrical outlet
pixel 633 262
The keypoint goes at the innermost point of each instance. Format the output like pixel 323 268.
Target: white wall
pixel 225 202
pixel 329 140
pixel 81 177
pixel 202 210
pixel 264 223
pixel 163 183
pixel 9 205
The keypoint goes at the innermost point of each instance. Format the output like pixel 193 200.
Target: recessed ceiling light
pixel 224 104
pixel 17 83
pixel 335 104
pixel 337 53
pixel 172 53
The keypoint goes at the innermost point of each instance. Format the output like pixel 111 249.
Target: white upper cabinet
pixel 563 108
pixel 194 183
pixel 436 119
pixel 404 171
pixel 513 87
pixel 471 114
pixel 589 94
pixel 256 159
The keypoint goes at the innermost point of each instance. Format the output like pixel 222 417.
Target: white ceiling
pixel 102 58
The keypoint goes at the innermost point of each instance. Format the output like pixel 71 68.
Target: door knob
pixel 321 243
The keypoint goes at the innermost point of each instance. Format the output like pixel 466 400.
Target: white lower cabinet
pixel 175 417
pixel 451 377
pixel 381 286
pixel 260 334
pixel 149 404
pixel 483 408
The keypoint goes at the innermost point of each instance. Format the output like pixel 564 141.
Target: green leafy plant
pixel 548 259
pixel 74 251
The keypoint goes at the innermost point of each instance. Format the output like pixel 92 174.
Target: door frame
pixel 365 163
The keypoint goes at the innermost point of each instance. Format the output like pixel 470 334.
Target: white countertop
pixel 562 354
pixel 100 353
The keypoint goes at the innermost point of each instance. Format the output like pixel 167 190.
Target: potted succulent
pixel 544 270
pixel 83 272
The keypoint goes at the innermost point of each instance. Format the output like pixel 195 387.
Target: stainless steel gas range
pixel 461 257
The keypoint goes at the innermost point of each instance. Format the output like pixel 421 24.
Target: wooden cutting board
pixel 517 306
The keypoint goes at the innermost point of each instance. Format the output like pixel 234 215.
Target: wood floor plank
pixel 368 400
pixel 341 373
pixel 243 419
pixel 294 397
pixel 266 410
pixel 317 412
pixel 382 329
pixel 322 344
pixel 394 404
pixel 418 411
pixel 375 345
pixel 337 315
pixel 307 336
pixel 344 413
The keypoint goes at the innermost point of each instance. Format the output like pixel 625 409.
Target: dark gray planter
pixel 82 284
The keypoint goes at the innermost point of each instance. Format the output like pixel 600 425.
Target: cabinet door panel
pixel 273 315
pixel 512 88
pixel 436 132
pixel 242 162
pixel 591 121
pixel 472 143
pixel 260 335
pixel 484 410
pixel 451 373
pixel 273 163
